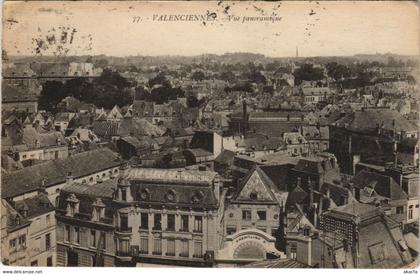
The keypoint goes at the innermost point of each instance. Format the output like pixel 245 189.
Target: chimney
pixel 311 192
pixel 328 193
pixel 69 178
pixel 244 116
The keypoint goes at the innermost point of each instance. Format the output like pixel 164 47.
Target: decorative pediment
pixel 256 188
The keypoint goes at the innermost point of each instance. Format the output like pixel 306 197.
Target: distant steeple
pixel 297 52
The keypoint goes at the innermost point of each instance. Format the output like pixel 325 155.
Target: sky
pixel 316 28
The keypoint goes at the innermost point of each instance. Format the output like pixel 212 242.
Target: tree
pixel 228 76
pixel 159 79
pixel 51 94
pixel 198 75
pixel 107 90
pixel 338 71
pixel 307 72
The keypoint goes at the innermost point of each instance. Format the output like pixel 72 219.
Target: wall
pixel 38 230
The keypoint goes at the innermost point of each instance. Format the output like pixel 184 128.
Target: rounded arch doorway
pixel 250 250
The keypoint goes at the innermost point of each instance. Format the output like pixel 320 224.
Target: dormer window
pixel 72 205
pixel 98 210
pixel 124 194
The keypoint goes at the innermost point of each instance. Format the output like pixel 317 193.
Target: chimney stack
pixel 69 178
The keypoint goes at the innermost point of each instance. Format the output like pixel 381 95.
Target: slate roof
pixel 297 196
pixel 225 157
pixel 278 263
pixel 312 165
pixel 383 185
pixel 184 194
pixel 62 117
pixel 13 93
pixel 36 205
pixel 269 185
pixel 337 192
pixel 87 196
pixel 354 211
pixel 368 119
pixel 18 70
pixel 82 164
pixel 14 219
pixel 172 176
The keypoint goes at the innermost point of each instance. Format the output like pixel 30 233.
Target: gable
pixel 255 185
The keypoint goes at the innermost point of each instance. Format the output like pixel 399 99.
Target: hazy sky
pixel 317 28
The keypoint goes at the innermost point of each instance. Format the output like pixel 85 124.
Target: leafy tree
pixel 307 72
pixel 228 76
pixel 105 91
pixel 51 94
pixel 198 75
pixel 337 71
pixel 159 79
pixel 273 66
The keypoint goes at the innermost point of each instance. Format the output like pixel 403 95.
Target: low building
pixel 315 94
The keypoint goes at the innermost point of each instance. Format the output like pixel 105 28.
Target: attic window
pixel 144 194
pixel 170 196
pixel 253 196
pixel 197 197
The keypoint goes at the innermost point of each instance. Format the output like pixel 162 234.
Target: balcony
pixel 198 256
pixel 184 255
pixel 123 231
pixel 123 253
pixel 170 253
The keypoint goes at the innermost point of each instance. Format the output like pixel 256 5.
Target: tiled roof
pixel 138 127
pixel 105 128
pixel 82 164
pixel 45 140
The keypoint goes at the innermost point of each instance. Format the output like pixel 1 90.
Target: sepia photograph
pixel 210 134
